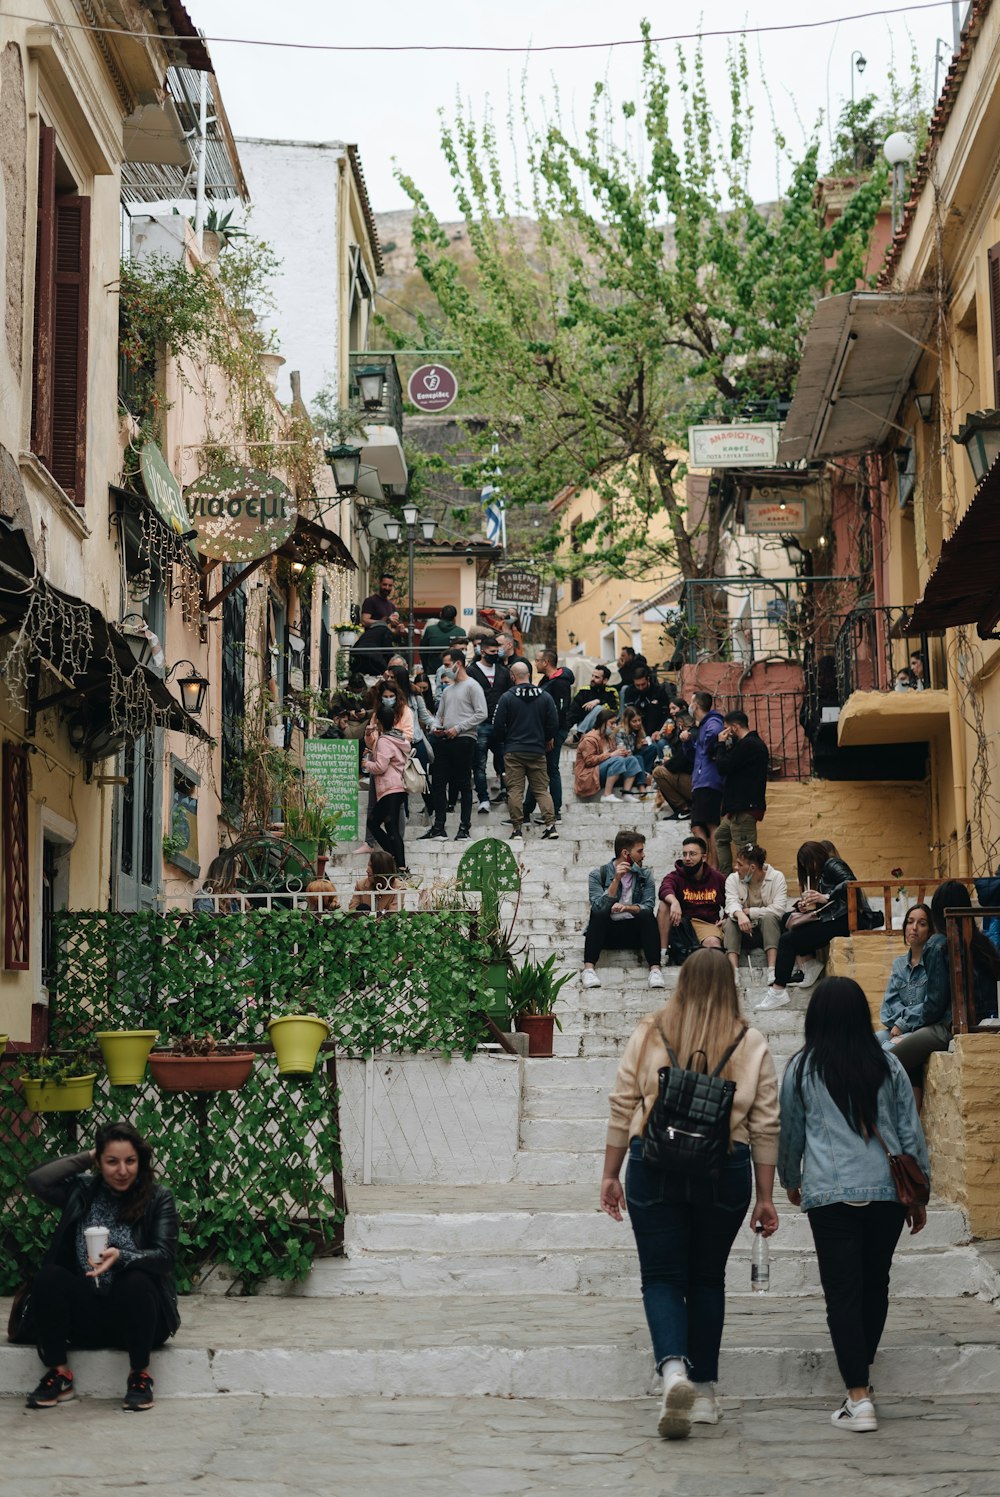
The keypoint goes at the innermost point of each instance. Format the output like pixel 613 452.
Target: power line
pixel 525 49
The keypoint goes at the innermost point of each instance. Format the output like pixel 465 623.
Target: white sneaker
pixel 589 978
pixel 859 1417
pixel 655 977
pixel 705 1409
pixel 770 977
pixel 664 956
pixel 773 998
pixel 611 797
pixel 811 969
pixel 484 808
pixel 675 1409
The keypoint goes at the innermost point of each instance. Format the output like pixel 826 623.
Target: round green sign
pixel 240 513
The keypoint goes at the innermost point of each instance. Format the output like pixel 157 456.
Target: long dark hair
pixel 135 1200
pixel 812 859
pixel 401 676
pixel 842 1052
pixel 953 895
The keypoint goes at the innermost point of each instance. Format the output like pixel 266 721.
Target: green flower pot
pixel 296 1039
pixel 495 1002
pixel 74 1095
pixel 125 1053
pixel 309 850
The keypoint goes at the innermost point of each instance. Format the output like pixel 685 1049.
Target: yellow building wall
pixel 876 825
pixel 962 1124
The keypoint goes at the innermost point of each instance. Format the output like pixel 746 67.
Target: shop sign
pixel 775 516
pixel 432 387
pixel 333 764
pixel 754 446
pixel 240 514
pixel 517 585
pixel 162 489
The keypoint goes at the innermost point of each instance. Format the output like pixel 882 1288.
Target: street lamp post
pixel 411 518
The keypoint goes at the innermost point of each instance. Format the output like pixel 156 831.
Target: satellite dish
pixel 377 524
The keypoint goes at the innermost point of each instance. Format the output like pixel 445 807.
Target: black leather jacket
pixel 833 882
pixel 68 1184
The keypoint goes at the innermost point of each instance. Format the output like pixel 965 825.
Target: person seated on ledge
pixel 321 897
pixel 590 700
pixel 599 764
pixel 756 899
pixel 380 889
pixel 916 1010
pixel 692 898
pixel 621 910
pixel 125 1296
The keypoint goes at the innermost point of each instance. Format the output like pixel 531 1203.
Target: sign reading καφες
pixel 333 764
pixel 240 514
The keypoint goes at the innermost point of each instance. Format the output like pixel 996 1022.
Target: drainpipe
pixel 956 733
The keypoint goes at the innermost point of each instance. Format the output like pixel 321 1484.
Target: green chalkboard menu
pixel 333 764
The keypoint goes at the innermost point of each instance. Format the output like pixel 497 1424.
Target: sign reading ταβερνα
pixel 333 764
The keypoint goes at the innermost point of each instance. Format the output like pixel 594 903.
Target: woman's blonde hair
pixel 704 1011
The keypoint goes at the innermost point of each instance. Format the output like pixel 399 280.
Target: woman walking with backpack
pixel 686 1210
pixel 846 1105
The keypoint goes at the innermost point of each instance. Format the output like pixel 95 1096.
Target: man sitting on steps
pixel 621 910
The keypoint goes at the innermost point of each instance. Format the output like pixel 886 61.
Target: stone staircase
pixel 523 1288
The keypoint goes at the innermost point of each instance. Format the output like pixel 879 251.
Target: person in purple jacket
pixel 706 781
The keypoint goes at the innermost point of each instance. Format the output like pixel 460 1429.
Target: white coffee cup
pixel 96 1239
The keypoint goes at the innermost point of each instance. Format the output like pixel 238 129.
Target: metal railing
pixel 742 619
pixel 390 412
pixel 873 654
pixel 777 717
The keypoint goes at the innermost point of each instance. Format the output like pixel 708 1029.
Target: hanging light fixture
pixel 980 436
pixel 392 529
pixel 428 527
pixel 136 631
pixel 345 464
pixel 193 686
pixel 371 385
pixel 924 405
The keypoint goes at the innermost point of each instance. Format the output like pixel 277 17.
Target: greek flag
pixel 494 516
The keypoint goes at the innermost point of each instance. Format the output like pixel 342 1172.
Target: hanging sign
pixel 162 489
pixel 775 517
pixel 333 764
pixel 240 514
pixel 432 387
pixel 752 446
pixel 517 585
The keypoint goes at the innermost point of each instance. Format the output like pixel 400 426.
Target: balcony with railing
pixel 892 687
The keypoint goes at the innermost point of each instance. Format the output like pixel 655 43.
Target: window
pixel 324 643
pixel 182 845
pixel 16 904
pixel 234 614
pixel 62 274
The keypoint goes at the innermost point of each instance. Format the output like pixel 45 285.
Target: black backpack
pixel 687 1132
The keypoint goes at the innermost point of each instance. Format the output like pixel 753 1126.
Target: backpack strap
pixel 727 1055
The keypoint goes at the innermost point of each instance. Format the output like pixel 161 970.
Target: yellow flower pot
pixel 125 1053
pixel 4 1038
pixel 74 1095
pixel 296 1040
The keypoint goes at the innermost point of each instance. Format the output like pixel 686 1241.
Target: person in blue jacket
pixel 706 781
pixel 839 1094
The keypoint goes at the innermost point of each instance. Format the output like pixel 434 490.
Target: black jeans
pixel 639 933
pixel 803 939
pixel 385 823
pixel 452 778
pixel 684 1246
pixel 854 1247
pixel 70 1310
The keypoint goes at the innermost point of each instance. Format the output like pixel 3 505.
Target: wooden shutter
pixel 17 896
pixel 69 346
pixel 41 371
pixel 993 258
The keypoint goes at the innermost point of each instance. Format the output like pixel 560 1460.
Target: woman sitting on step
pixel 841 1096
pixel 108 1274
pixel 600 764
pixel 685 1225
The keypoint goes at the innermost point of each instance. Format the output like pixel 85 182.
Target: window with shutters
pixel 62 280
pixel 993 258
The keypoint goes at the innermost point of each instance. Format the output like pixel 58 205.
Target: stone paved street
pixel 259 1447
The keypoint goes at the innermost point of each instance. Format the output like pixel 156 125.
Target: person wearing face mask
pixel 460 711
pixel 386 756
pixel 756 899
pixel 494 677
pixel 691 903
pixel 387 695
pixel 599 765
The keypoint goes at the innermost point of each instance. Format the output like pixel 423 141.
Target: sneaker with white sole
pixel 589 978
pixel 811 969
pixel 484 808
pixel 616 798
pixel 770 977
pixel 675 1408
pixel 858 1417
pixel 655 977
pixel 773 998
pixel 705 1409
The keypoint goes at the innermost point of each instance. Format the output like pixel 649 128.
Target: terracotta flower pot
pixel 201 1073
pixel 540 1029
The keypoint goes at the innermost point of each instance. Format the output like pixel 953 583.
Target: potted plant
pixel 125 1053
pixel 58 1083
pixel 534 988
pixel 347 634
pixel 296 1038
pixel 199 1063
pixel 309 823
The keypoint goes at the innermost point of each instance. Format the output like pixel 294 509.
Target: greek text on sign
pixel 162 489
pixel 432 387
pixel 240 514
pixel 517 586
pixel 771 517
pixel 333 764
pixel 754 446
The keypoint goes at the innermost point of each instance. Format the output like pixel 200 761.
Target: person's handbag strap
pixel 726 1056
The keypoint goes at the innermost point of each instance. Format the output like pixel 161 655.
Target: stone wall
pixel 962 1121
pixel 876 825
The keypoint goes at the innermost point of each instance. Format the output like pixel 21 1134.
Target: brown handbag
pixel 912 1185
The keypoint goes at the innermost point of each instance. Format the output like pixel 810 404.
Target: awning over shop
pixel 859 354
pixel 308 544
pixel 964 587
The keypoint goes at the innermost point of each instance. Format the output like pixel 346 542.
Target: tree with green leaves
pixel 655 294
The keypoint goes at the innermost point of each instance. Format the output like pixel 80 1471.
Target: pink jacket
pixel 386 762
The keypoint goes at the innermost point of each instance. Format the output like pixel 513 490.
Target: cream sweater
pixel 754 1119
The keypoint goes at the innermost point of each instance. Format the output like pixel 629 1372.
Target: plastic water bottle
pixel 760 1263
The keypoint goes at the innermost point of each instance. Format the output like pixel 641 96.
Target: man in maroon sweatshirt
pixel 694 893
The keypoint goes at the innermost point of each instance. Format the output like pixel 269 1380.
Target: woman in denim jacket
pixel 838 1091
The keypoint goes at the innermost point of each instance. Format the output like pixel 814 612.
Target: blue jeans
pixel 684 1245
pixel 590 720
pixel 484 738
pixel 555 778
pixel 621 765
pixel 652 753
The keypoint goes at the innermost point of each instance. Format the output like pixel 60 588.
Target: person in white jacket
pixel 756 899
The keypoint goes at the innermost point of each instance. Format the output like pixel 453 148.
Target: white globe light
pixel 899 147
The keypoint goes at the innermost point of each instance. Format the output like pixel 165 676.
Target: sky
pixel 388 103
